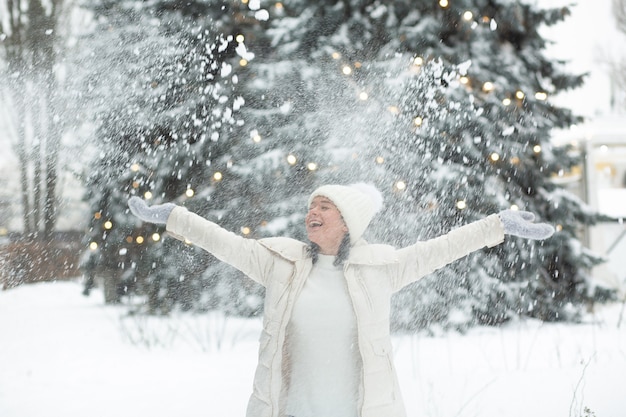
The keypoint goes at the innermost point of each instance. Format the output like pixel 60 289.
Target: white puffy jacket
pixel 372 273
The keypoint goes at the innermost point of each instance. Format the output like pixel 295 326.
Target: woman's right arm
pixel 247 255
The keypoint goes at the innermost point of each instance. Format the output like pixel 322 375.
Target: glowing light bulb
pixel 239 38
pixel 156 237
pixel 400 185
pixel 346 70
pixel 464 80
pixel 139 240
pixel 506 101
pixel 245 230
pixel 444 3
pixel 108 225
pixel 418 60
pixel 336 55
pixel 380 160
pixel 190 192
pixel 218 176
pixel 418 121
pixel 363 96
pixel 537 149
pixel 312 166
pixel 135 167
pixel 461 204
pixel 488 86
pixel 93 246
pixel 520 94
pixel 468 15
pixel 495 157
pixel 291 159
pixel 147 195
pixel 243 62
pixel 540 95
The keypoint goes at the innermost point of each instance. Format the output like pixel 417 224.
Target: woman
pixel 325 348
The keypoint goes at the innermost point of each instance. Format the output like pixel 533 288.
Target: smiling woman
pixel 325 348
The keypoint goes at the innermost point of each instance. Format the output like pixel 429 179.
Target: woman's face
pixel 325 226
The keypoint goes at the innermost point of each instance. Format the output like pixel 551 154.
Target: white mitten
pixel 519 223
pixel 157 214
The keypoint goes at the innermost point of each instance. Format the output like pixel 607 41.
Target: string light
pixel 218 176
pixel 291 159
pixel 279 6
pixel 444 3
pixel 336 55
pixel 495 157
pixel 488 87
pixel 461 204
pixel 514 207
pixel 108 225
pixel 468 16
pixel 520 94
pixel 346 70
pixel 394 109
pixel 418 60
pixel 245 230
pixel 312 166
pixel 139 240
pixel 135 184
pixel 190 192
pixel 464 80
pixel 240 38
pixel 256 138
pixel 93 246
pixel 418 121
pixel 363 96
pixel 506 101
pixel 537 149
pixel 400 185
pixel 129 239
pixel 156 237
pixel 540 95
pixel 97 215
pixel 135 167
pixel 380 160
pixel 243 62
pixel 147 195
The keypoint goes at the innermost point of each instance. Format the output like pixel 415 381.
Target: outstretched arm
pixel 247 255
pixel 425 257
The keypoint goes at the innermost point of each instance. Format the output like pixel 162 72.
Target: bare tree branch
pixel 619 11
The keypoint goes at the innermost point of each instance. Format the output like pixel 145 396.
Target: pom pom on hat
pixel 357 203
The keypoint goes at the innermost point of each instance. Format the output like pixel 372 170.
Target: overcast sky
pixel 588 39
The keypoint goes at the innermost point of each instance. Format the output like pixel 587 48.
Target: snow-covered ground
pixel 66 355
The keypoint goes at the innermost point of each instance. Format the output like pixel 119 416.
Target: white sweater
pixel 322 347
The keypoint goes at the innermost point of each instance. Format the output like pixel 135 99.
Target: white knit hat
pixel 357 203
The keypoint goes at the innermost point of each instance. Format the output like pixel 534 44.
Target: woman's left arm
pixel 422 258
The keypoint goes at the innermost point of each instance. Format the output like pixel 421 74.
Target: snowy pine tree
pixel 168 106
pixel 348 91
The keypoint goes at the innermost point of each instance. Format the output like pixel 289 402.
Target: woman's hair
pixel 342 253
